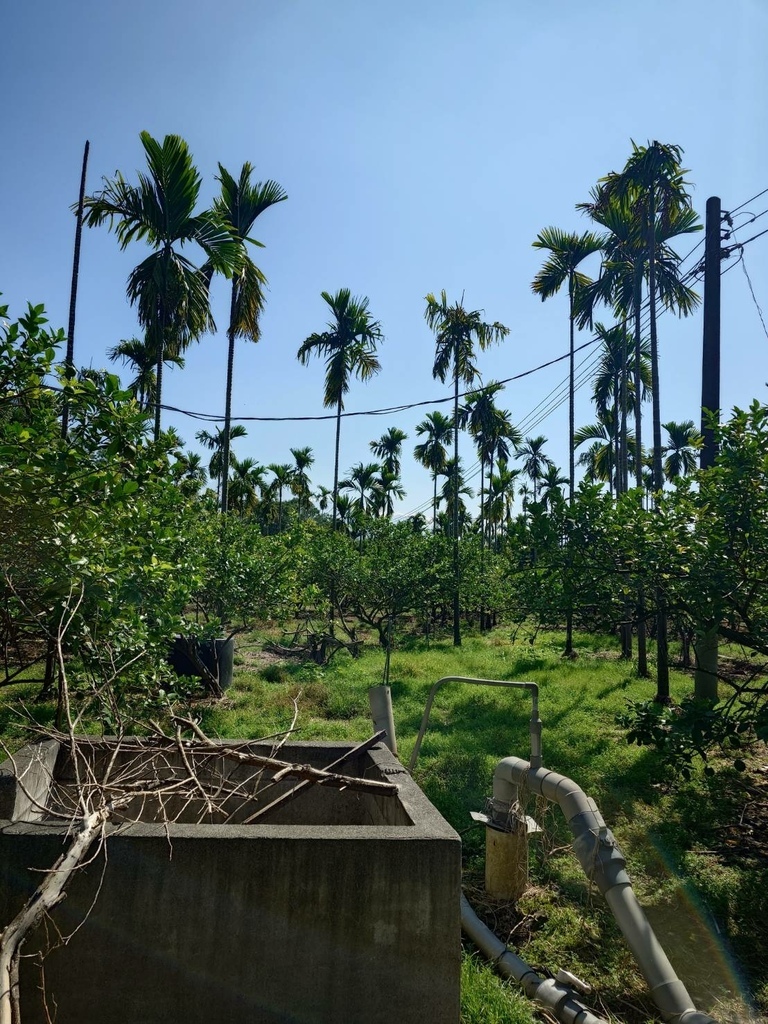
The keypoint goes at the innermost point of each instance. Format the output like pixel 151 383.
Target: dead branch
pixel 301 786
pixel 319 776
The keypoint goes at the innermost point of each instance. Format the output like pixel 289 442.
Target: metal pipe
pixel 604 863
pixel 554 996
pixel 535 725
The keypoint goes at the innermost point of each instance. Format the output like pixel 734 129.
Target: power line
pixel 754 297
pixel 741 207
pixel 388 411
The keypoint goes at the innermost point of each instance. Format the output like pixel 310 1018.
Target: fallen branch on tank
pixel 98 787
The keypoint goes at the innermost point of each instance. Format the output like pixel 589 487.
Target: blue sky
pixel 423 145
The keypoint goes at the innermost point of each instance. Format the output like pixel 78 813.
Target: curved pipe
pixel 603 862
pixel 535 726
pixel 556 998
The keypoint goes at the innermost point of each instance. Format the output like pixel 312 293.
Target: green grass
pixel 470 730
pixel 668 834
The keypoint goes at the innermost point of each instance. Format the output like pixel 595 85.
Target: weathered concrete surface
pixel 275 923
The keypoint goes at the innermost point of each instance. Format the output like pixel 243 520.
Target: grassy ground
pixel 708 907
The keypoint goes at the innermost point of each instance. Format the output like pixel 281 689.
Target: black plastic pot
pixel 218 656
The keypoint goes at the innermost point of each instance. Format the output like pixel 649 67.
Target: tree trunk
pixel 228 400
pixel 161 345
pixel 482 547
pixel 456 570
pixel 662 667
pixel 623 446
pixel 642 645
pixel 336 464
pixel 571 393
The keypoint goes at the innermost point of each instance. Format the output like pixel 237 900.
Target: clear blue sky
pixel 423 146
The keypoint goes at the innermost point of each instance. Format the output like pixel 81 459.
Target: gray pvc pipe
pixel 603 862
pixel 555 997
pixel 380 701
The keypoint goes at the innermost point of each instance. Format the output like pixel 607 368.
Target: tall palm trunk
pixel 616 440
pixel 434 503
pixel 571 392
pixel 482 543
pixel 161 341
pixel 662 668
pixel 336 466
pixel 623 446
pixel 228 399
pixel 456 571
pixel 642 643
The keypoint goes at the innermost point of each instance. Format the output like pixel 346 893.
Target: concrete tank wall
pixel 274 923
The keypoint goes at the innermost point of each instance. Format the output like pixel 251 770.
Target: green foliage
pixel 398 572
pixel 99 547
pixel 682 734
pixel 486 999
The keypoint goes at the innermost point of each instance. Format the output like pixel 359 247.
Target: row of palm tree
pixel 638 210
pixel 170 292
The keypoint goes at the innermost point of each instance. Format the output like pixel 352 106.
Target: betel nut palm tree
pixel 456 331
pixel 535 461
pixel 682 451
pixel 349 347
pixel 624 269
pixel 215 443
pixel 303 460
pixel 387 448
pixel 238 204
pixel 566 251
pixel 433 452
pixel 169 291
pixel 141 357
pixel 652 188
pixel 282 478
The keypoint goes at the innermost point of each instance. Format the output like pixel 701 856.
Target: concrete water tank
pixel 337 907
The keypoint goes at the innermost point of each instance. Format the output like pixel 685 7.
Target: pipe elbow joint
pixel 693 1017
pixel 560 1001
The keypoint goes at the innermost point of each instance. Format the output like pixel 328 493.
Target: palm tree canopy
pixel 491 427
pixel 362 478
pixel 238 204
pixel 141 356
pixel 303 458
pixel 387 448
pixel 349 345
pixel 566 250
pixel 682 449
pixel 455 331
pixel 653 180
pixel 551 482
pixel 433 452
pixel 625 253
pixel 607 376
pixel 387 488
pixel 535 462
pixel 160 211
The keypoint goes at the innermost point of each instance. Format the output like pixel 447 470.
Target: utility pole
pixel 69 361
pixel 705 679
pixel 710 361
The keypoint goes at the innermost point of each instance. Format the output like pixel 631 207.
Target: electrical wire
pixel 741 207
pixel 739 246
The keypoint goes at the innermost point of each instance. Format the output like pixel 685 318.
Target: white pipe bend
pixel 603 862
